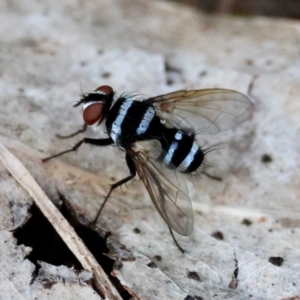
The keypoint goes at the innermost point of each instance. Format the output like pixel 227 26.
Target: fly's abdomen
pixel 193 160
pixel 181 152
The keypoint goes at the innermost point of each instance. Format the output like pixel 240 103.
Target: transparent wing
pixel 172 203
pixel 207 111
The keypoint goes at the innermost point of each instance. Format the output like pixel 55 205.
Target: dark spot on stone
pixel 100 51
pixel 198 298
pixel 269 62
pixel 249 62
pixel 246 222
pixel 48 284
pixel 21 90
pixel 170 81
pixel 136 230
pixel 152 265
pixel 276 260
pixel 157 257
pixel 105 75
pixel 203 73
pixel 193 275
pixel 83 63
pixel 169 68
pixel 218 235
pixel 188 297
pixel 266 158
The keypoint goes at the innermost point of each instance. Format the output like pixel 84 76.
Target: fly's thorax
pixel 117 117
pixel 131 120
pixel 180 151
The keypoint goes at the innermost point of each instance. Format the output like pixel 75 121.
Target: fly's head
pixel 96 104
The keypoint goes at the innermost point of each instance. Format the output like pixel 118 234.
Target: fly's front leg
pixel 83 129
pixel 95 142
pixel 132 171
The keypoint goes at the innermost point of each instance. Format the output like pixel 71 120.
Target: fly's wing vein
pixel 207 111
pixel 173 205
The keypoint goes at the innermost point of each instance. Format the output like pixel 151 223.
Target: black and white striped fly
pixel 158 136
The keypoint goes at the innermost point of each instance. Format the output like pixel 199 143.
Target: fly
pixel 169 122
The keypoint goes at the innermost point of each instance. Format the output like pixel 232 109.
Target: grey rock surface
pixel 50 51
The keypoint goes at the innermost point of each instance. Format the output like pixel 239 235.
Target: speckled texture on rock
pixel 150 48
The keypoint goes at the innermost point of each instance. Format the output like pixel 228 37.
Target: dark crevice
pixel 272 8
pixel 47 245
pixel 276 260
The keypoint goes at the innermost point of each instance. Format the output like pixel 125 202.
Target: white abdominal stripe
pixel 168 158
pixel 116 126
pixel 147 118
pixel 187 161
pixel 189 158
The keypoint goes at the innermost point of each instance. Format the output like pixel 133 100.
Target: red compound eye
pixel 92 113
pixel 106 89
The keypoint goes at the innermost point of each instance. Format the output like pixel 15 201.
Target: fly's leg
pixel 132 171
pixel 83 129
pixel 95 142
pixel 175 241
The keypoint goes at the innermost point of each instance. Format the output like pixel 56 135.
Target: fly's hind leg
pixel 83 129
pixel 175 241
pixel 132 171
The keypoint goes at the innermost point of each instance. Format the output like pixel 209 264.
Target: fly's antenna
pixel 80 84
